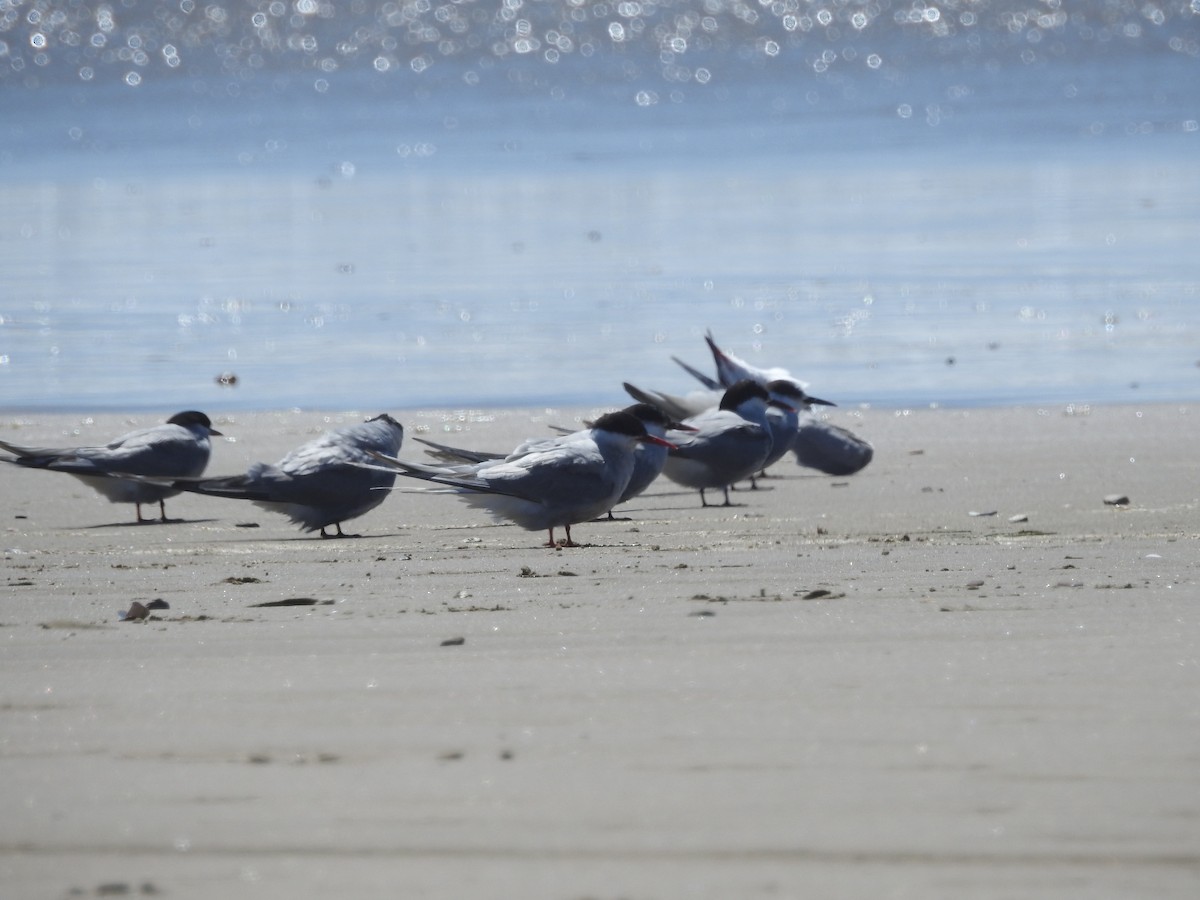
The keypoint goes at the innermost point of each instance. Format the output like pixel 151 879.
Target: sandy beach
pixel 959 673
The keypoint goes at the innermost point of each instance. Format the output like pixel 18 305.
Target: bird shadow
pixel 694 495
pixel 147 523
pixel 241 537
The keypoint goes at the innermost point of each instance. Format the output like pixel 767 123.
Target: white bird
pixel 178 449
pixel 555 483
pixel 817 444
pixel 728 444
pixel 648 458
pixel 320 483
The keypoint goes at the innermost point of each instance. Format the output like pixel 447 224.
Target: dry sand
pixel 841 688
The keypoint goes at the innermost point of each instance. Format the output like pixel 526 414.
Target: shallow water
pixel 900 215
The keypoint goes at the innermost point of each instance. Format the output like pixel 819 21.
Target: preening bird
pixel 319 483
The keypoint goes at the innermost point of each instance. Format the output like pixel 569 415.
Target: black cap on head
pixel 646 412
pixel 789 390
pixel 190 417
pixel 742 391
pixel 621 422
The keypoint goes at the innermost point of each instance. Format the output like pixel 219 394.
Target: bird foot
pixel 338 534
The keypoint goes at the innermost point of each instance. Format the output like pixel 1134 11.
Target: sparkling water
pixel 387 205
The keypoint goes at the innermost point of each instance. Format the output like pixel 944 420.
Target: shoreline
pixel 844 686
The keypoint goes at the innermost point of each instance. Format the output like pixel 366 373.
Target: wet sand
pixel 845 687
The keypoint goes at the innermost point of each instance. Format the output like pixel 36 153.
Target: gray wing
pixel 164 451
pixel 712 443
pixel 830 449
pixel 569 472
pixel 566 471
pixel 344 447
pixel 331 486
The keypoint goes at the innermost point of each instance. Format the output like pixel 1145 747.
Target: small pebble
pixel 990 512
pixel 1019 517
pixel 454 642
pixel 1116 500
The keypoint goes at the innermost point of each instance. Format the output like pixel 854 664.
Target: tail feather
pixel 638 394
pixel 38 457
pixel 672 406
pixel 451 454
pixel 448 477
pixel 709 383
pixel 238 487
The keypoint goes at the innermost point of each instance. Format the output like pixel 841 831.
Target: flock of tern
pixel 743 421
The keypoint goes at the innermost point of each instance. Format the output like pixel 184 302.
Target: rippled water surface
pixel 386 205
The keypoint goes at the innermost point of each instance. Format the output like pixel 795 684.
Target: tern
pixel 730 369
pixel 787 401
pixel 783 417
pixel 555 482
pixel 817 444
pixel 728 443
pixel 319 483
pixel 178 449
pixel 648 457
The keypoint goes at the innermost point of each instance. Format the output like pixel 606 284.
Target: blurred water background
pixel 524 202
